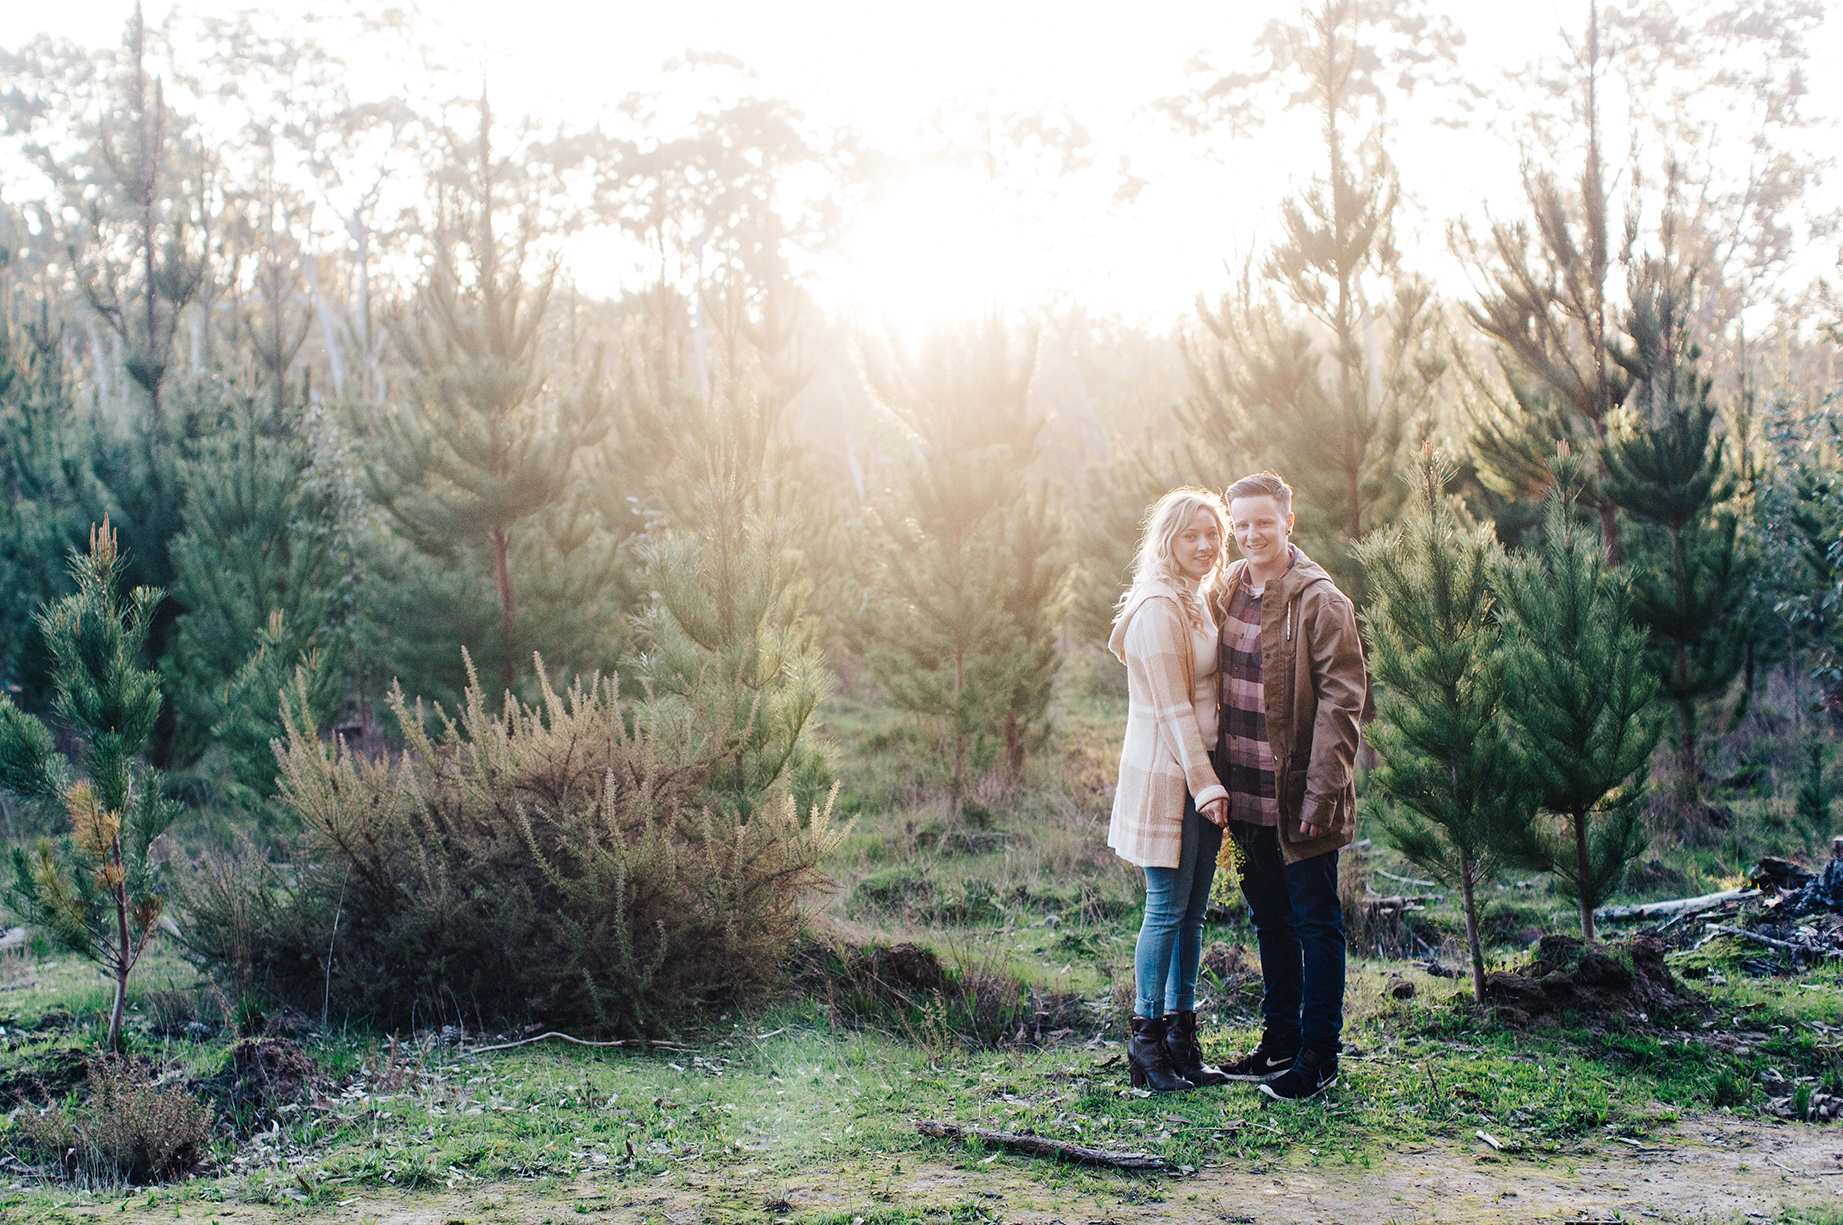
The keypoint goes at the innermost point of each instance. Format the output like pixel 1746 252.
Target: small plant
pixel 1814 798
pixel 131 1130
pixel 93 890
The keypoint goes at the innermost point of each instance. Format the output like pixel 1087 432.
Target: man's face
pixel 1260 529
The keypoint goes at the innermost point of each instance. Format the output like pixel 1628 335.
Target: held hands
pixel 1216 812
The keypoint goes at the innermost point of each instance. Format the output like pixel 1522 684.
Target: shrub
pixel 563 861
pixel 131 1130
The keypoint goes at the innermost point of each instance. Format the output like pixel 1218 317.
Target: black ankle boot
pixel 1187 1053
pixel 1149 1061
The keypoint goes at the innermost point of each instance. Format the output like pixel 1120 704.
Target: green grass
pixel 1019 889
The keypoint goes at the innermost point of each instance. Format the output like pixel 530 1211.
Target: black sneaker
pixel 1263 1063
pixel 1309 1077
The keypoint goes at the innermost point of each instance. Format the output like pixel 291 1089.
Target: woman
pixel 1169 808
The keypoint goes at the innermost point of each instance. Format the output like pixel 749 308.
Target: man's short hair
pixel 1263 485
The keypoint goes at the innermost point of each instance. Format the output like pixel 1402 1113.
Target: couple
pixel 1246 686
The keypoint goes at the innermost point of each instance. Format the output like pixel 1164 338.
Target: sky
pixel 946 243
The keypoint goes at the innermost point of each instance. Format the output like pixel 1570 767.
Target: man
pixel 1294 688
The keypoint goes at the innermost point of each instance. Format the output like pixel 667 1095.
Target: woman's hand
pixel 1216 812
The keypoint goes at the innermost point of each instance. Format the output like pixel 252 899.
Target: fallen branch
pixel 1408 880
pixel 1678 906
pixel 1038 1146
pixel 1792 945
pixel 1377 901
pixel 506 1046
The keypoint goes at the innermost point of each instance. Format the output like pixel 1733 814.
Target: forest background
pixel 401 400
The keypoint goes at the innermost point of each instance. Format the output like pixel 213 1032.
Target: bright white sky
pixel 947 245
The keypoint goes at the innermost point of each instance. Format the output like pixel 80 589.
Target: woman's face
pixel 1198 545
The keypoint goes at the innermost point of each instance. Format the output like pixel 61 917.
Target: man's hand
pixel 1308 830
pixel 1216 812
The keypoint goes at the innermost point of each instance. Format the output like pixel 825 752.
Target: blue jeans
pixel 1171 937
pixel 1299 923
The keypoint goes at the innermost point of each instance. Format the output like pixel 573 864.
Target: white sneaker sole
pixel 1269 1091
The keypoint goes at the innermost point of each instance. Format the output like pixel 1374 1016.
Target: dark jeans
pixel 1171 937
pixel 1300 925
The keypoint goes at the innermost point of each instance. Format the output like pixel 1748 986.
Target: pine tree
pixel 95 890
pixel 64 465
pixel 1115 498
pixel 1457 797
pixel 135 257
pixel 266 534
pixel 1327 388
pixel 970 572
pixel 1666 468
pixel 726 633
pixel 44 477
pixel 1576 667
pixel 1815 797
pixel 483 442
pixel 1550 312
pixel 284 666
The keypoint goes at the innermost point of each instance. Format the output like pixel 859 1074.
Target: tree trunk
pixel 508 607
pixel 1014 746
pixel 1467 886
pixel 123 953
pixel 959 736
pixel 1609 532
pixel 1583 876
pixel 1692 768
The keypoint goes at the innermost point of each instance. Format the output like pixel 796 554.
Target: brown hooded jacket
pixel 1316 689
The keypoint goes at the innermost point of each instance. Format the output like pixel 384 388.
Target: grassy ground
pixel 1019 890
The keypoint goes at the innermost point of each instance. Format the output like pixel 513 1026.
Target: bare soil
pixel 1709 1168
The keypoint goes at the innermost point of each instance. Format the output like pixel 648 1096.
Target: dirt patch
pixel 907 969
pixel 1623 980
pixel 907 989
pixel 1707 1168
pixel 44 1077
pixel 264 1073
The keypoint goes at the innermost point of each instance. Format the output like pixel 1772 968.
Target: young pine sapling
pixel 1455 795
pixel 93 890
pixel 1576 665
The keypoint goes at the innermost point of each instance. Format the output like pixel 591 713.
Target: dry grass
pixel 132 1130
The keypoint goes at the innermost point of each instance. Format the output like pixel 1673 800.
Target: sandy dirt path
pixel 1708 1168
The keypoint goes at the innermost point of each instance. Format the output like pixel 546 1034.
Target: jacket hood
pixel 1148 589
pixel 1303 573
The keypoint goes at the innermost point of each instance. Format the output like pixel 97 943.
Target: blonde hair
pixel 1168 516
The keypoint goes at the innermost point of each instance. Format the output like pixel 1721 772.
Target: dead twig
pixel 506 1046
pixel 1038 1146
pixel 1773 941
pixel 1408 880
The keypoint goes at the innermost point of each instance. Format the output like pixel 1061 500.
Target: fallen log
pixel 1039 1146
pixel 1677 906
pixel 1812 950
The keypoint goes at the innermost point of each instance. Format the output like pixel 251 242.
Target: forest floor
pixel 803 1110
pixel 1704 1168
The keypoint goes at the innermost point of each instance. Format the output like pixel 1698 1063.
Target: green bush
pixel 564 862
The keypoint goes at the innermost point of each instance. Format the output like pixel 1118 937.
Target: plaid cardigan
pixel 1170 724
